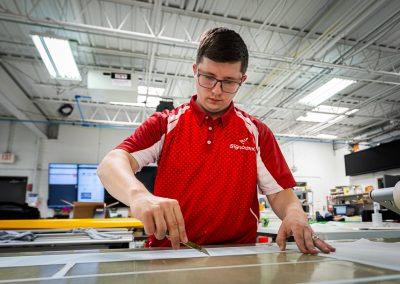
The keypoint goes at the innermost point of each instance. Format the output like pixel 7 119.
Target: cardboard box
pixel 83 210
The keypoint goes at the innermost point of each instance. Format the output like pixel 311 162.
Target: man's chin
pixel 213 109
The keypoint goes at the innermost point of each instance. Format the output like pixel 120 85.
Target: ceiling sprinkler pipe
pixel 70 123
pixel 77 98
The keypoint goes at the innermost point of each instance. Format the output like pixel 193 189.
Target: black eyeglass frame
pixel 218 81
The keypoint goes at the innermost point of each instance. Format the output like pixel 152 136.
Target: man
pixel 211 157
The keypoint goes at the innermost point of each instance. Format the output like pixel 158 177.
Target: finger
pixel 181 223
pixel 281 239
pixel 148 223
pixel 323 246
pixel 160 224
pixel 331 248
pixel 299 239
pixel 309 242
pixel 172 226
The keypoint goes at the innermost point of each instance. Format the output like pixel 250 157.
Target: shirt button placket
pixel 209 133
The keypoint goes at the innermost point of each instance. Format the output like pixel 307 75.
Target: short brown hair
pixel 223 45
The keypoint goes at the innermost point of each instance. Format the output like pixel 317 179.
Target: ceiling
pixel 295 47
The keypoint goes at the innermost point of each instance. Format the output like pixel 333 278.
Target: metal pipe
pixel 77 98
pixel 168 41
pixel 96 124
pixel 348 24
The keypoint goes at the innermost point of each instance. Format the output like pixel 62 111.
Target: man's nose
pixel 217 88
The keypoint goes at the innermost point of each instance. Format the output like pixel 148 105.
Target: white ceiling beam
pixel 308 63
pixel 176 42
pixel 14 99
pixel 237 21
pixel 324 42
pixel 96 30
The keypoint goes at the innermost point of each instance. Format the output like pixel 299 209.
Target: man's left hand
pixel 295 224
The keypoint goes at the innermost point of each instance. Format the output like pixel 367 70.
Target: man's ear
pixel 194 69
pixel 244 77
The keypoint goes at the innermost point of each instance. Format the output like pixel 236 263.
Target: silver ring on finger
pixel 314 236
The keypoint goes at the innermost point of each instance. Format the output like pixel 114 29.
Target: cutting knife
pixel 193 245
pixel 196 247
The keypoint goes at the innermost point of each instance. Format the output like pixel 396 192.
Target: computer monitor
pixel 90 188
pixel 340 210
pixel 390 181
pixel 147 176
pixel 62 185
pixel 13 189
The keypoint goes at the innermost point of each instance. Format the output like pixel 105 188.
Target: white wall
pixel 364 180
pixel 24 143
pixel 372 178
pixel 74 145
pixel 323 168
pixel 318 164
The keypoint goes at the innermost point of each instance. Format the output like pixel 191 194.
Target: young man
pixel 211 157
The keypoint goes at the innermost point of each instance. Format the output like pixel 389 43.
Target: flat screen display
pixel 340 210
pixel 147 176
pixel 380 158
pixel 13 189
pixel 390 181
pixel 62 185
pixel 79 182
pixel 90 188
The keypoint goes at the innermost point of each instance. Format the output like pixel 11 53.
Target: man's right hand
pixel 160 216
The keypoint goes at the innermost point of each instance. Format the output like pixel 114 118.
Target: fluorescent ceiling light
pixel 149 101
pixel 322 126
pixel 337 119
pixel 330 109
pixel 350 112
pixel 316 117
pixel 153 91
pixel 326 91
pixel 57 56
pixel 326 136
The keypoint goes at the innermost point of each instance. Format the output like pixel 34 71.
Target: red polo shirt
pixel 212 167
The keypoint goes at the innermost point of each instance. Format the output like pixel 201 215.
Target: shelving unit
pixel 352 196
pixel 305 195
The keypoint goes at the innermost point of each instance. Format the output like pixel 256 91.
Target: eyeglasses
pixel 209 82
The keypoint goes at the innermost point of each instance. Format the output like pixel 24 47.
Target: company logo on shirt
pixel 245 148
pixel 242 147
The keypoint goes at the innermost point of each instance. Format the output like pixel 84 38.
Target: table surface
pixel 256 264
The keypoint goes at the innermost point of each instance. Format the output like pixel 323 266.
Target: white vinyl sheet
pixel 378 254
pixel 14 261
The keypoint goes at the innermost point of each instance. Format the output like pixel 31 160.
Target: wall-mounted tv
pixel 380 158
pixel 79 182
pixel 13 189
pixel 390 181
pixel 90 188
pixel 63 179
pixel 147 176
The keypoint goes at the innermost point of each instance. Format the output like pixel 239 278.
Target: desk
pixel 70 223
pixel 235 264
pixel 61 239
pixel 343 230
pixel 54 234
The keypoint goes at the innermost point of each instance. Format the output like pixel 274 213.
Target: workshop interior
pixel 78 77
